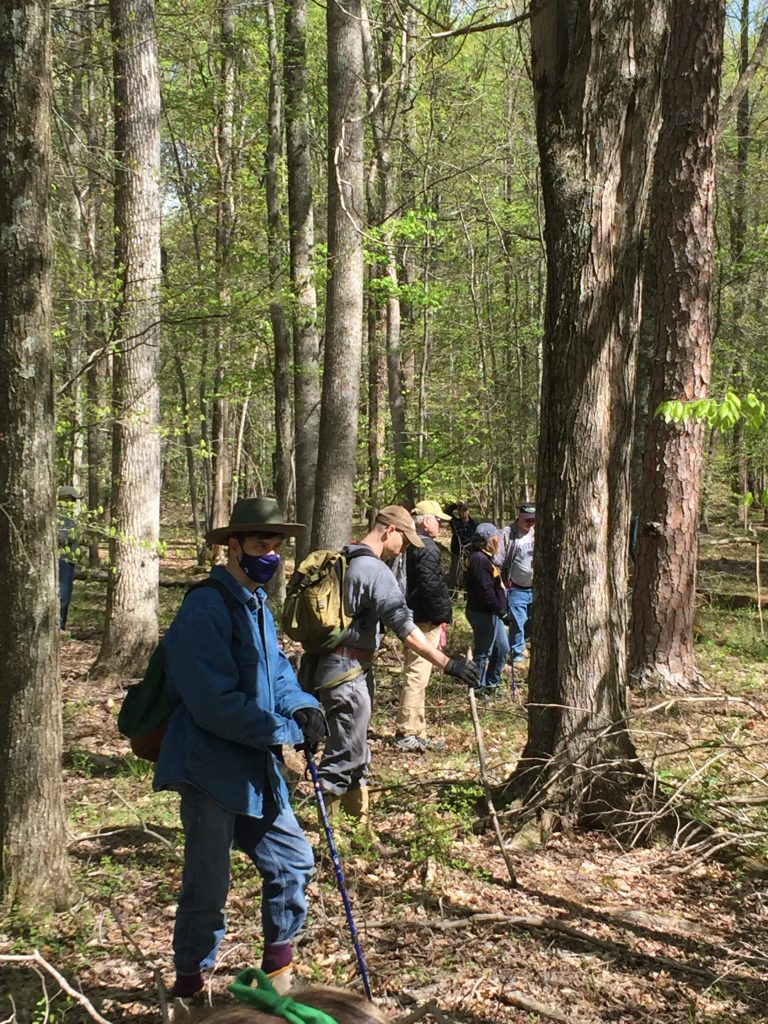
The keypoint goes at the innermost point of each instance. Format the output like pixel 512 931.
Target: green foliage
pixel 722 415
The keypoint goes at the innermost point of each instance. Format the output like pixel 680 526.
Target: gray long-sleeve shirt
pixel 372 595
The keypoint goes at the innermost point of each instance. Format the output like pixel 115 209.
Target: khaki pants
pixel 411 720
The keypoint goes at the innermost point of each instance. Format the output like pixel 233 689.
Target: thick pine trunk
pixel 132 591
pixel 597 78
pixel 33 862
pixel 682 219
pixel 306 342
pixel 339 420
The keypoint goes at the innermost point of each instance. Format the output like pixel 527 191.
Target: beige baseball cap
pixel 430 508
pixel 400 518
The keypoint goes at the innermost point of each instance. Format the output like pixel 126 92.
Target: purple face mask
pixel 260 568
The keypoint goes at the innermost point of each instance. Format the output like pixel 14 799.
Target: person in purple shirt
pixel 487 609
pixel 238 702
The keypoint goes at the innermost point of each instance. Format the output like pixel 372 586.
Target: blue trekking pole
pixel 339 874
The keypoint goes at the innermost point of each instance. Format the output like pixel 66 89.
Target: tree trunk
pixel 379 87
pixel 221 482
pixel 283 475
pixel 132 591
pixel 306 342
pixel 377 383
pixel 739 219
pixel 682 219
pixel 337 470
pixel 34 873
pixel 597 82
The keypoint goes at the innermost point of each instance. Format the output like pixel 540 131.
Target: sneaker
pixel 411 744
pixel 282 979
pixel 433 744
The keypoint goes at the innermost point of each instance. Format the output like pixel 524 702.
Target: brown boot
pixel 355 803
pixel 333 805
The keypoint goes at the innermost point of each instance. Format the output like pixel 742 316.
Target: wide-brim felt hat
pixel 255 515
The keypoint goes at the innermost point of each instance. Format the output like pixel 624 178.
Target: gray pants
pixel 347 708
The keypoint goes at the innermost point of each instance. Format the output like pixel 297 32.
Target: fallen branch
pixel 523 1002
pixel 426 1010
pixel 37 958
pixel 487 789
pixel 534 922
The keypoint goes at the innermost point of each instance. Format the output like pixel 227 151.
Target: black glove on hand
pixel 506 618
pixel 312 725
pixel 464 670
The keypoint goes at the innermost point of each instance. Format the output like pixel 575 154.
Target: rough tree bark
pixel 132 591
pixel 597 83
pixel 683 242
pixel 306 341
pixel 33 861
pixel 339 418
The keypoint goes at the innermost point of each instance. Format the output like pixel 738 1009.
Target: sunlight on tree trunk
pixel 339 420
pixel 34 873
pixel 683 227
pixel 306 342
pixel 132 591
pixel 597 80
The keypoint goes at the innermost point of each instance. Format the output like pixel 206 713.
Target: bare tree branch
pixel 732 101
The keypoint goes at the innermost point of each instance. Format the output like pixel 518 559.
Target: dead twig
pixel 161 997
pixel 487 788
pixel 37 958
pixel 524 1002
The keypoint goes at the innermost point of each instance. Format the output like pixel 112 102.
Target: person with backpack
pixel 343 679
pixel 238 701
pixel 428 597
pixel 487 609
pixel 515 559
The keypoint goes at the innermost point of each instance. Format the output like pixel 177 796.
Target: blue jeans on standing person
pixel 66 583
pixel 281 853
pixel 490 647
pixel 519 600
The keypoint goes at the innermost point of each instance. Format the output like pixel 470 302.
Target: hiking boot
pixel 411 744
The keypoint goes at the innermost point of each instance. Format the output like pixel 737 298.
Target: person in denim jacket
pixel 239 703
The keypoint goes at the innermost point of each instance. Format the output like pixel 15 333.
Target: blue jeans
pixel 277 846
pixel 66 583
pixel 519 603
pixel 490 646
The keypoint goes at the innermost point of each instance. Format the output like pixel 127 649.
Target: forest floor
pixel 595 931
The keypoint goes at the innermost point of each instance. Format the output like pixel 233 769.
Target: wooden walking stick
pixel 487 788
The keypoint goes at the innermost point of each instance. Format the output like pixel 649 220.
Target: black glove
pixel 464 670
pixel 312 725
pixel 506 618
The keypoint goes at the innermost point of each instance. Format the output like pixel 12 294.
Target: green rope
pixel 265 998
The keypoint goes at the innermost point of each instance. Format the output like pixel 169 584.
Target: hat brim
pixel 410 535
pixel 222 533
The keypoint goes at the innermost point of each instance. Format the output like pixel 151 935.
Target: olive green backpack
pixel 314 612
